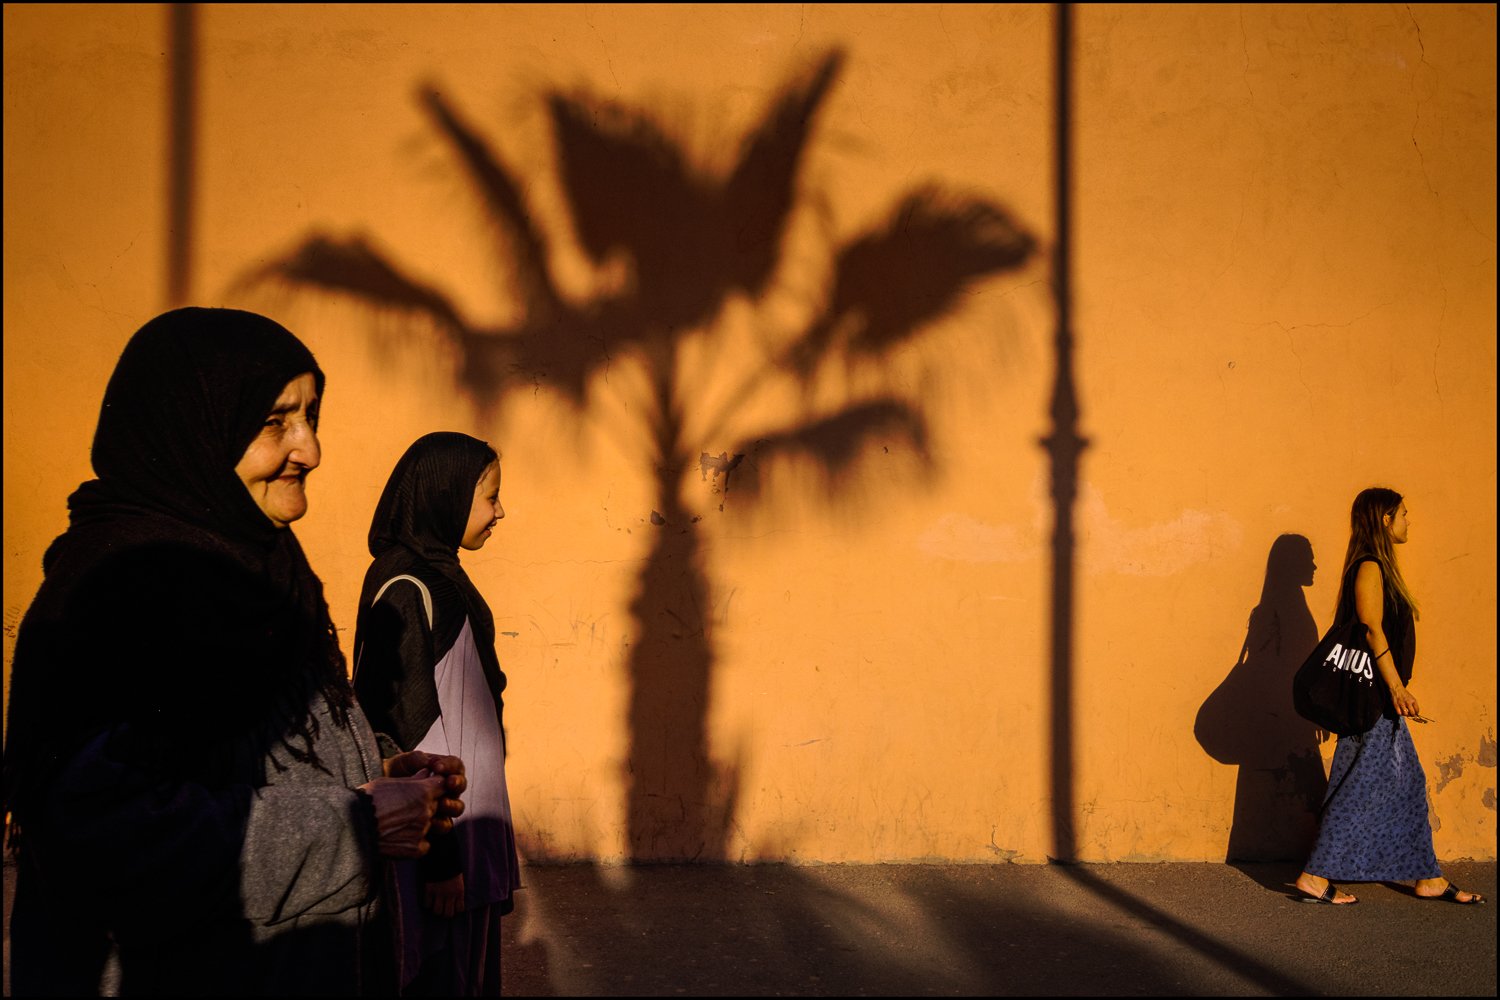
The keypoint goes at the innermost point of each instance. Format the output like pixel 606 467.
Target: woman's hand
pixel 404 810
pixel 446 898
pixel 1405 704
pixel 412 762
pixel 450 806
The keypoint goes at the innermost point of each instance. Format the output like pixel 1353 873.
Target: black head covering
pixel 426 502
pixel 172 605
pixel 417 529
pixel 187 397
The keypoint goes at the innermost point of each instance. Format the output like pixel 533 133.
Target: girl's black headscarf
pixel 173 611
pixel 417 529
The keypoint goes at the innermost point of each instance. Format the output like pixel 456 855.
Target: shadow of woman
pixel 1249 721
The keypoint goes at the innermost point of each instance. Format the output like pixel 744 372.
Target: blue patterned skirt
pixel 1375 826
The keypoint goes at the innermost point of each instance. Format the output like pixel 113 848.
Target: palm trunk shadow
pixel 680 803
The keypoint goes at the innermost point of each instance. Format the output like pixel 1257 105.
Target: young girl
pixel 427 676
pixel 1374 826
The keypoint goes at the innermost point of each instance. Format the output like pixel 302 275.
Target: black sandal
pixel 1450 894
pixel 1329 891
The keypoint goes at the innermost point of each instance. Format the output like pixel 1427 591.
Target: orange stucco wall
pixel 1285 291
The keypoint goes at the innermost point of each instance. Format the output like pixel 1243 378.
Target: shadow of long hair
pixel 1249 720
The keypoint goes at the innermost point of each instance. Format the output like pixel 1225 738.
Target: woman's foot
pixel 1317 889
pixel 1440 888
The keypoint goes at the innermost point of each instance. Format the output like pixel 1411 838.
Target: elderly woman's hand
pixel 419 763
pixel 404 810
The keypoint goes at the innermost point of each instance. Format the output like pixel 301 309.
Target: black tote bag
pixel 1336 687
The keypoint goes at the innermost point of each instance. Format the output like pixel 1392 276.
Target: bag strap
pixel 426 594
pixel 359 654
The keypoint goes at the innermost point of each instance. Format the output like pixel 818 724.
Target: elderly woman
pixel 192 779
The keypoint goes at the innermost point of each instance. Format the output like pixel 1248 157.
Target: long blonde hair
pixel 1370 538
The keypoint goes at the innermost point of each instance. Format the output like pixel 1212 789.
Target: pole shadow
pixel 182 151
pixel 1065 446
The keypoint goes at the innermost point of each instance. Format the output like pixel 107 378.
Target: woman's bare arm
pixel 1369 604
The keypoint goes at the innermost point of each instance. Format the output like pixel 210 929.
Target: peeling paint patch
pixel 716 466
pixel 720 464
pixel 1449 769
pixel 1003 853
pixel 1486 755
pixel 1489 799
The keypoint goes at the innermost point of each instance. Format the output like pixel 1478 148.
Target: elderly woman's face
pixel 275 466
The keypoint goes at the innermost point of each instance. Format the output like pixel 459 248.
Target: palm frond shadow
pixel 691 239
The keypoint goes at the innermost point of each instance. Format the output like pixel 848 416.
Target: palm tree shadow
pixel 1249 720
pixel 688 240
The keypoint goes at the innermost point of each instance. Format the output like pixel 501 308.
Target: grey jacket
pixel 274 890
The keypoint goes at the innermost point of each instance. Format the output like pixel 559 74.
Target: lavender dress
pixel 467 726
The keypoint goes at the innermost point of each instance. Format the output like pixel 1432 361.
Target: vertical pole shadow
pixel 1064 445
pixel 182 111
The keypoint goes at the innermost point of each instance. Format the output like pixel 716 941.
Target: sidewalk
pixel 915 930
pixel 919 930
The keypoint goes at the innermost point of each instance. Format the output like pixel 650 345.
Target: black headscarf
pixel 173 609
pixel 418 526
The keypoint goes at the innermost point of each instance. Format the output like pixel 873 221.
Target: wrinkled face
pixel 1397 524
pixel 486 509
pixel 275 466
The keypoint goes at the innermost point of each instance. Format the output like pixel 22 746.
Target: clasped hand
pixel 419 764
pixel 418 796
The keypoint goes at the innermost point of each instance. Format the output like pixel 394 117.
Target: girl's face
pixel 1397 525
pixel 486 509
pixel 274 467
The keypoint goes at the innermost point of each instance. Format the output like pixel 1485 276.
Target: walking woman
pixel 427 674
pixel 191 780
pixel 1374 826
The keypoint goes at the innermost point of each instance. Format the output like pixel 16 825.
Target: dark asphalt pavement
pixel 1022 930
